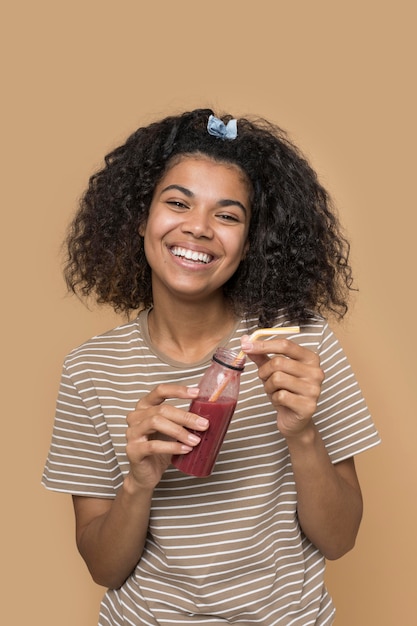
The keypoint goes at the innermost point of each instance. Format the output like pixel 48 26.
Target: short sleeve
pixel 81 459
pixel 342 415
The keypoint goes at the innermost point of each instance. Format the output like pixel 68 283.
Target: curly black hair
pixel 298 258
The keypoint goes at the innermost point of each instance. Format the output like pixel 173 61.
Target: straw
pixel 268 332
pixel 260 332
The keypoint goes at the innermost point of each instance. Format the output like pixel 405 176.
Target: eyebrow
pixel 222 203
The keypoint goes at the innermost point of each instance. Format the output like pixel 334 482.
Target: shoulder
pixel 316 333
pixel 112 344
pixel 312 333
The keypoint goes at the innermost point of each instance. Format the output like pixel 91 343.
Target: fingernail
pixel 202 421
pixel 246 345
pixel 193 438
pixel 193 391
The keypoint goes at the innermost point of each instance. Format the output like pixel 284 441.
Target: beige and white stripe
pixel 226 549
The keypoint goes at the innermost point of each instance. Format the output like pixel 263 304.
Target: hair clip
pixel 217 128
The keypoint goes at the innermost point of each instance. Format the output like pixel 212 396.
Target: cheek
pixel 237 254
pixel 159 224
pixel 155 231
pixel 150 231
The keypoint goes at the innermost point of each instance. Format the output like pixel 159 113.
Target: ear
pixel 142 229
pixel 245 250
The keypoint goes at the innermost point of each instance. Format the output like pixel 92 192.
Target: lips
pixel 191 255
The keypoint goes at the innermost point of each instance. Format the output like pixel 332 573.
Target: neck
pixel 188 333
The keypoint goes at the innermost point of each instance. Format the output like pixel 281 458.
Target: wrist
pixel 133 489
pixel 304 438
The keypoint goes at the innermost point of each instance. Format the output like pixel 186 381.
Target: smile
pixel 191 255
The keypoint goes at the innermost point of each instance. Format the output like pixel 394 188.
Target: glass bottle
pixel 219 390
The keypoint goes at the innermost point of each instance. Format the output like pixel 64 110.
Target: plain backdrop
pixel 77 78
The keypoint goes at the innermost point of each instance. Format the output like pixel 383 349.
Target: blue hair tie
pixel 217 128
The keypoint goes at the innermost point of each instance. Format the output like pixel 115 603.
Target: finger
pixel 303 387
pixel 165 391
pixel 309 372
pixel 138 451
pixel 165 419
pixel 158 428
pixel 303 407
pixel 155 447
pixel 286 347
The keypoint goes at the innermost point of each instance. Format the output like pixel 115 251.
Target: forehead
pixel 192 166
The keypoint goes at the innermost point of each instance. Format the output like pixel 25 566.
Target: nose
pixel 197 222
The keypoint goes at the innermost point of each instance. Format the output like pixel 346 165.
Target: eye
pixel 228 217
pixel 177 204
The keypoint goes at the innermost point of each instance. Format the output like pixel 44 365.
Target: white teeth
pixel 191 255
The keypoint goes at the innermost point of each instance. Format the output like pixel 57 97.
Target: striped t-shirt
pixel 226 549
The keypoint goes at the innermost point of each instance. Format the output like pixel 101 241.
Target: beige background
pixel 77 78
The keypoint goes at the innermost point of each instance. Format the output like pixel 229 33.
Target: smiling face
pixel 197 228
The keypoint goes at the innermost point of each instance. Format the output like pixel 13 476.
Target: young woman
pixel 210 228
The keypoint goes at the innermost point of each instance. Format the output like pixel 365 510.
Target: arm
pixel 329 501
pixel 111 534
pixel 329 497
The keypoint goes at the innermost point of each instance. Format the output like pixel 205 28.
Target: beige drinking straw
pixel 260 332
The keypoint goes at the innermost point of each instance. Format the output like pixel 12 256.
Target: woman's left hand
pixel 329 502
pixel 292 379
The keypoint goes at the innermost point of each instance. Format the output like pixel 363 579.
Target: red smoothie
pixel 200 461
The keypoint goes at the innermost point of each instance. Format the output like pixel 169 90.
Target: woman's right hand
pixel 111 533
pixel 157 430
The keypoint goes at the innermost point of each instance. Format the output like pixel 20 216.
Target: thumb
pixel 247 346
